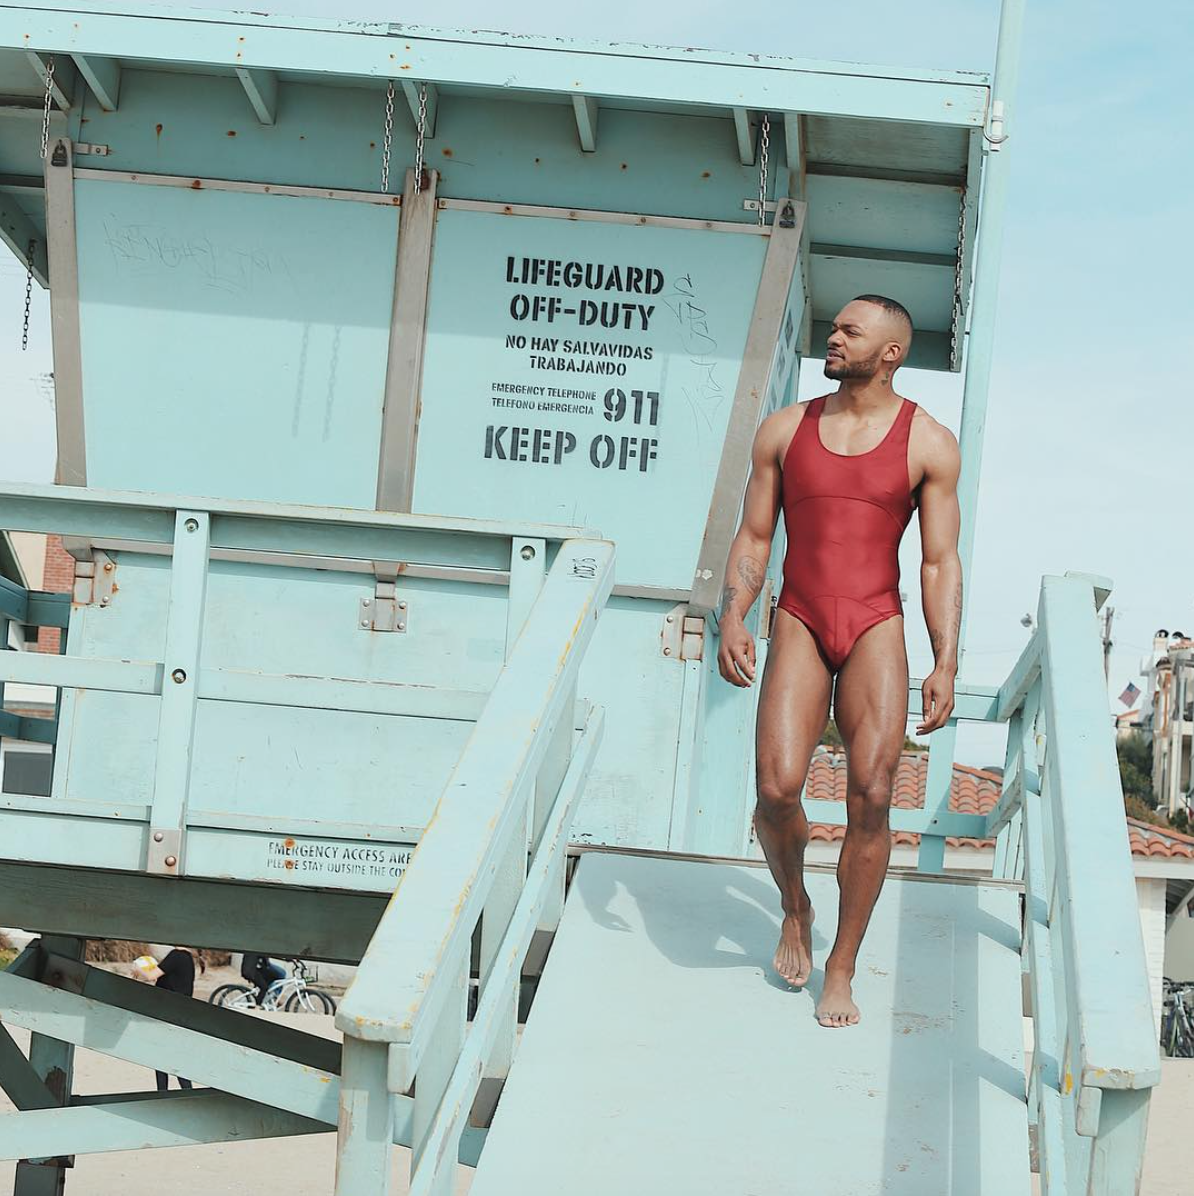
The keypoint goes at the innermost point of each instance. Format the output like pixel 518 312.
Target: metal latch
pixel 95 580
pixel 385 611
pixel 683 635
pixel 89 147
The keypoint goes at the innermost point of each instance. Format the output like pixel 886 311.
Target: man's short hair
pixel 891 306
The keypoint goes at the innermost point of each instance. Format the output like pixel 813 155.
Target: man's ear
pixel 893 351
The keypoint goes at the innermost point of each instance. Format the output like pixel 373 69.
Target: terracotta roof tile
pixel 973 791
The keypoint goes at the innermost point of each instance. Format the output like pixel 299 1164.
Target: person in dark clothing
pixel 261 971
pixel 176 974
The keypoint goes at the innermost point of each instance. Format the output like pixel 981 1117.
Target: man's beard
pixel 840 370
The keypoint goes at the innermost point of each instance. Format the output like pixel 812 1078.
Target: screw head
pixel 171 861
pixel 192 525
pixel 667 651
pixel 109 567
pixel 158 836
pixel 671 618
pixel 401 626
pixel 179 676
pixel 402 606
pixel 105 600
pixel 366 602
pixel 365 623
pixel 528 553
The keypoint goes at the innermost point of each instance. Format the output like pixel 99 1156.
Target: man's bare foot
pixel 794 955
pixel 836 1007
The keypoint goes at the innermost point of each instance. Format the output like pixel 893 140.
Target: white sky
pixel 1084 463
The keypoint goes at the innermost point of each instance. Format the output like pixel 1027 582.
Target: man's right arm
pixel 750 552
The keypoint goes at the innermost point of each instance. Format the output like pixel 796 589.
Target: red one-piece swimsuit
pixel 845 517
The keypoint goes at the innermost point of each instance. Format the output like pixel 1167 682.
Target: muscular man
pixel 848 469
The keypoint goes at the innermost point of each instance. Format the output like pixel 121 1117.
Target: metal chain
pixel 422 133
pixel 28 292
pixel 955 324
pixel 45 120
pixel 764 152
pixel 388 138
pixel 45 145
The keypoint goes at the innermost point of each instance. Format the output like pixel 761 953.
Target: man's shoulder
pixel 933 434
pixel 776 431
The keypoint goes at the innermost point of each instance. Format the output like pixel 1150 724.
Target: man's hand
pixel 736 655
pixel 937 694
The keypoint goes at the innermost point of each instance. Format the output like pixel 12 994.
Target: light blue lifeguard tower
pixel 405 385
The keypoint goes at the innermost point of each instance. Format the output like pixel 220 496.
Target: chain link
pixel 388 138
pixel 28 292
pixel 419 137
pixel 29 248
pixel 45 119
pixel 764 154
pixel 955 324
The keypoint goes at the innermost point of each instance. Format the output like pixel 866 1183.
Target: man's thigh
pixel 793 702
pixel 870 701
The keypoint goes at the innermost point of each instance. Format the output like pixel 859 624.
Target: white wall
pixel 1150 897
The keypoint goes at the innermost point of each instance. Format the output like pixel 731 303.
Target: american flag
pixel 1129 695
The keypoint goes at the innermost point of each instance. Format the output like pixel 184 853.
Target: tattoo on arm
pixel 751 574
pixel 727 598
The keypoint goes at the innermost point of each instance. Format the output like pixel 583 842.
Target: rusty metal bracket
pixel 385 611
pixel 683 635
pixel 95 580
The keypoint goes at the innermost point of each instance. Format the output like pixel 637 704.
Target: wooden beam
pixel 16 231
pixel 62 88
pixel 794 145
pixel 411 91
pixel 262 89
pixel 586 110
pixel 744 131
pixel 102 75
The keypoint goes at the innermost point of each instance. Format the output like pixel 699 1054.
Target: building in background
pixel 1168 716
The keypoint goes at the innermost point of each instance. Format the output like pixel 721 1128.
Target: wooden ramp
pixel 663 1056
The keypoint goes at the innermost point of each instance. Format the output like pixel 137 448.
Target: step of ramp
pixel 663 1057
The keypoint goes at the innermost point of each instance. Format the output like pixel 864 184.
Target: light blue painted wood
pixel 184 1119
pixel 658 985
pixel 706 78
pixel 365 1129
pixel 233 326
pixel 1112 1022
pixel 613 456
pixel 422 938
pixel 173 761
pixel 931 853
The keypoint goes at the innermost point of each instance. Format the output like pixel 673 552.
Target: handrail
pixel 414 955
pixel 1061 825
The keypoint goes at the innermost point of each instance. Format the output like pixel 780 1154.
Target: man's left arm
pixel 940 574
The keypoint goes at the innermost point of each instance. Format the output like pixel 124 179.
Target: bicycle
pixel 1177 1020
pixel 291 994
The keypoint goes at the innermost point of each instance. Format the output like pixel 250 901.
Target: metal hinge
pixel 88 147
pixel 385 611
pixel 95 580
pixel 683 635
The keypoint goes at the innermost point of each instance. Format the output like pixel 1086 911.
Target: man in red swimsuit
pixel 848 469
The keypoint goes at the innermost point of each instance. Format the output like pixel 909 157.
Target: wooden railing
pixel 1060 826
pixel 493 856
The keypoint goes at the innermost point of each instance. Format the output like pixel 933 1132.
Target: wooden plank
pixel 261 87
pixel 586 109
pixel 102 76
pixel 671 948
pixel 173 765
pixel 750 392
pixel 187 1118
pixel 1112 1017
pixel 113 676
pixel 310 924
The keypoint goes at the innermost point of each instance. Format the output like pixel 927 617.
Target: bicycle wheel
pixel 310 1000
pixel 234 996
